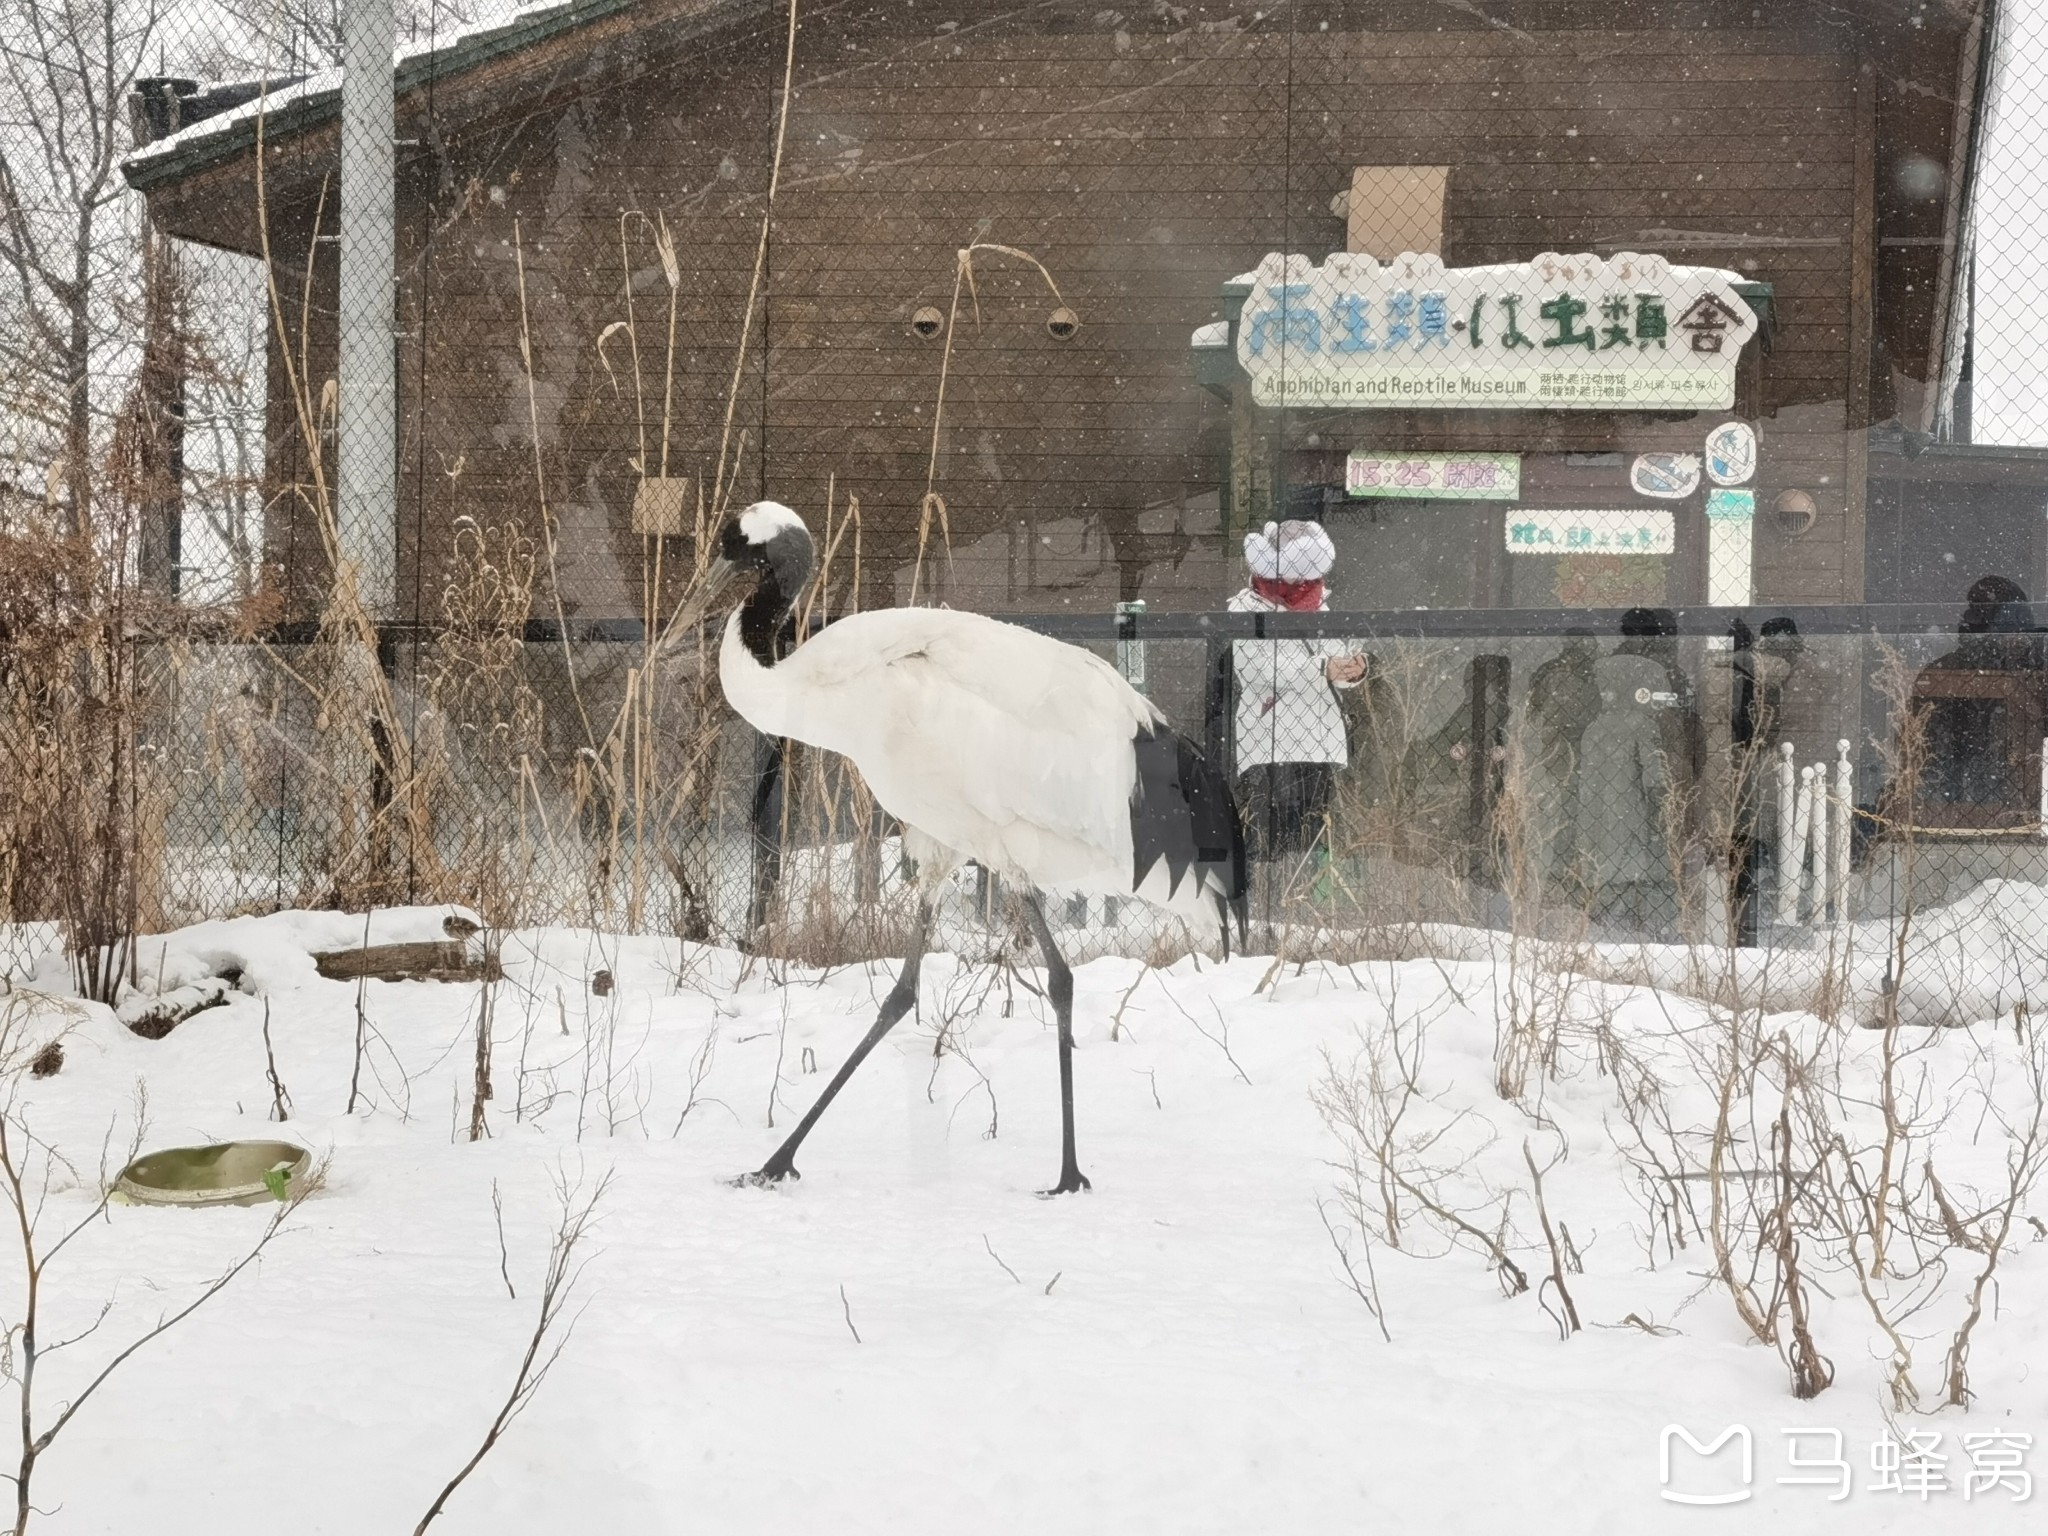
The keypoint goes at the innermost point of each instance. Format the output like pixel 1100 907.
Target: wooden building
pixel 581 222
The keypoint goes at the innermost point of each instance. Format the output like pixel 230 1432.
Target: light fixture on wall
pixel 926 324
pixel 1061 324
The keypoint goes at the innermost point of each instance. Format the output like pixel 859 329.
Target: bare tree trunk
pixel 77 364
pixel 70 66
pixel 160 412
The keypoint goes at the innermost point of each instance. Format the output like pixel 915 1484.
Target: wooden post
pixel 1251 462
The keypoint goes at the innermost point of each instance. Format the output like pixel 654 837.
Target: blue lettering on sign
pixel 1354 324
pixel 1434 321
pixel 1296 324
pixel 1400 317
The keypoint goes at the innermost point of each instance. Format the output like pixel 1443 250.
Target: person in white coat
pixel 1288 729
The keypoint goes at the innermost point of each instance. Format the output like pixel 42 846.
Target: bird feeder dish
pixel 227 1173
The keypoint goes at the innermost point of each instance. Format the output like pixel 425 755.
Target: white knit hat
pixel 1290 551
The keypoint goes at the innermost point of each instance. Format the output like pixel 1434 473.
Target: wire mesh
pixel 1661 377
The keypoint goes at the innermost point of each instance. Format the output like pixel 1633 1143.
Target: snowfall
pixel 908 1340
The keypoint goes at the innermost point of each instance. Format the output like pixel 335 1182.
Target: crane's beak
pixel 699 604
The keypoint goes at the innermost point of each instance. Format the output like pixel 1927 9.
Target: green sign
pixel 1730 506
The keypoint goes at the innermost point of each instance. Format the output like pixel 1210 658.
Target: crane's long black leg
pixel 1059 986
pixel 901 999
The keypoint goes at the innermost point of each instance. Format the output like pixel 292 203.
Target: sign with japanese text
pixel 1594 531
pixel 1435 476
pixel 1624 332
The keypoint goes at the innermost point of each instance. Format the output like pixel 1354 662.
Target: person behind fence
pixel 1997 632
pixel 1968 741
pixel 1631 803
pixel 1287 729
pixel 1563 700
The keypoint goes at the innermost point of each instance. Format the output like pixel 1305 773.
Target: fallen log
pixel 153 1017
pixel 433 960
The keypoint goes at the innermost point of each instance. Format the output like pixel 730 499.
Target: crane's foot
pixel 1072 1181
pixel 768 1175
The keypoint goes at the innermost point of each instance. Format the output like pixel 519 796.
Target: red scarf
pixel 1294 596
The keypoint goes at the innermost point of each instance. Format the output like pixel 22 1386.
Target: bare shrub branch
pixel 552 1329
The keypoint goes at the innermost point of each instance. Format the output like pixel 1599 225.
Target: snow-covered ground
pixel 1176 1351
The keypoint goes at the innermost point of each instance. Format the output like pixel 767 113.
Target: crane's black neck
pixel 774 544
pixel 765 628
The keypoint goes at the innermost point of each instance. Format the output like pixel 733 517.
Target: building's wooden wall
pixel 1143 157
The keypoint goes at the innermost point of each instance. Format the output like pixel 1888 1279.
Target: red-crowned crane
pixel 987 742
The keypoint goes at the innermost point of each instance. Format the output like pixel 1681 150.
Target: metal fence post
pixel 1743 729
pixel 367 500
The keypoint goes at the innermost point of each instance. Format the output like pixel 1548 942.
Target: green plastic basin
pixel 227 1173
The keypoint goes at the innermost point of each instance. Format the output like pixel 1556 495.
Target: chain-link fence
pixel 1667 778
pixel 1659 378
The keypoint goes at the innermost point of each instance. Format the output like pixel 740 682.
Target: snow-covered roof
pixel 302 103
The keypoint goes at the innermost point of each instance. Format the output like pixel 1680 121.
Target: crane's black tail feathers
pixel 1182 812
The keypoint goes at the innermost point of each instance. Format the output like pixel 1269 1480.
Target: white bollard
pixel 1788 883
pixel 1802 836
pixel 1817 793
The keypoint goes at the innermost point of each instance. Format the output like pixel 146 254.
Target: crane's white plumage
pixel 999 744
pixel 988 742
